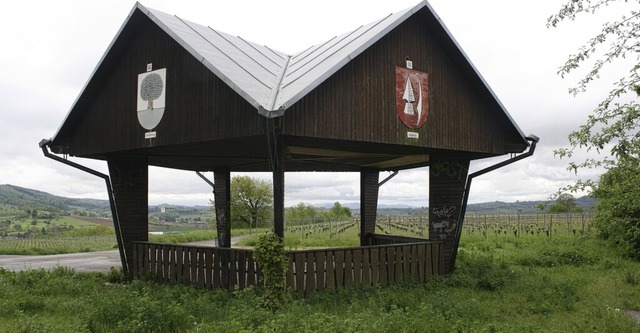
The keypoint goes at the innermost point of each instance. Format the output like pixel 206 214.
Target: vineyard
pixel 496 225
pixel 57 245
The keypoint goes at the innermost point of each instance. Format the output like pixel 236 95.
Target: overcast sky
pixel 50 49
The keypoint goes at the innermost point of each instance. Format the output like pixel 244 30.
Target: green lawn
pixel 536 284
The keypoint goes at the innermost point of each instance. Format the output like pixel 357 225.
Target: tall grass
pixel 562 284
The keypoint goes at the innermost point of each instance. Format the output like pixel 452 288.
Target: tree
pixel 565 203
pixel 618 208
pixel 613 125
pixel 151 89
pixel 251 202
pixel 301 213
pixel 338 211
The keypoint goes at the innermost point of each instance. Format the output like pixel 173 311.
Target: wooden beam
pixel 368 203
pixel 130 181
pixel 222 200
pixel 447 179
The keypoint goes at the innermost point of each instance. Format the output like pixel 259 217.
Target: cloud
pixel 51 49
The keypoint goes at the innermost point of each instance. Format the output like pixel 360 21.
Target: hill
pixel 21 198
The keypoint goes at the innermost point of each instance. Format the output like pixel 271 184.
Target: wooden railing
pixel 309 271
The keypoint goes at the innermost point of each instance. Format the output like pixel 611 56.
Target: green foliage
pixel 270 257
pixel 251 202
pixel 339 212
pixel 565 203
pixel 302 213
pixel 57 245
pixel 491 291
pixel 618 210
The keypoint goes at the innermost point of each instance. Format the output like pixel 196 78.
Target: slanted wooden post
pixel 130 181
pixel 368 203
pixel 222 198
pixel 447 179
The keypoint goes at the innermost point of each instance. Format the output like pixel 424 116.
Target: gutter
pixel 532 147
pixel 44 144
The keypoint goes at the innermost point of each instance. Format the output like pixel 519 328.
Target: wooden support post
pixel 368 203
pixel 222 199
pixel 447 179
pixel 278 194
pixel 130 181
pixel 276 151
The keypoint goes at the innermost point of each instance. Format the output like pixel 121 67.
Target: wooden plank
pixel 168 261
pixel 252 274
pixel 232 263
pixel 320 270
pixel 242 269
pixel 310 281
pixel 208 268
pixel 383 266
pixel 153 259
pixel 348 268
pixel 429 264
pixel 290 276
pixel 300 272
pixel 414 263
pixel 193 263
pixel 391 264
pixel 423 263
pixel 375 266
pixel 330 281
pixel 357 267
pixel 224 268
pixel 406 262
pixel 179 250
pixel 366 267
pixel 135 272
pixel 216 270
pixel 399 273
pixel 339 255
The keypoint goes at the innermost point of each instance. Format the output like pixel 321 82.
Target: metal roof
pixel 272 81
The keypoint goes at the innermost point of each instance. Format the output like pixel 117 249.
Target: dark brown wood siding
pixel 358 102
pixel 199 106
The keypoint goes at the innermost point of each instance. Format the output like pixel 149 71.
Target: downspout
pixel 114 212
pixel 532 147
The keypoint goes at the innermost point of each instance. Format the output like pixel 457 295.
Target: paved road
pixel 81 262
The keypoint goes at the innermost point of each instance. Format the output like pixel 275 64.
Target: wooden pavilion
pixel 395 94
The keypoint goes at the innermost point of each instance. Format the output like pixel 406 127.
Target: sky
pixel 50 49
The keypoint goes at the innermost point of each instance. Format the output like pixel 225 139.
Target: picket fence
pixel 308 270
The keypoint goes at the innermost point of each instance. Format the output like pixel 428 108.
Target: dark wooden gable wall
pixel 199 106
pixel 358 102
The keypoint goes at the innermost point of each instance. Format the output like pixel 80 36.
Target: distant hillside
pixel 24 198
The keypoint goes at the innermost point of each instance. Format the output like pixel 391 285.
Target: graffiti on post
pixel 221 219
pixel 444 224
pixel 450 169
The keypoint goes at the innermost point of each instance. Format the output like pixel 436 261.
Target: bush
pixel 269 254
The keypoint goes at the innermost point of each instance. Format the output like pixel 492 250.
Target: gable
pixel 340 93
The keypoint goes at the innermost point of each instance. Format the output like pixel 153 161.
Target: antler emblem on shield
pixel 412 97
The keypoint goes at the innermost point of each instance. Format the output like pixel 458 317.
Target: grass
pixel 562 284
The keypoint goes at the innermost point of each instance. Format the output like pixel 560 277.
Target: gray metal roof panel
pixel 248 68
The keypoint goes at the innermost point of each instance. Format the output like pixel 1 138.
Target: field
pixel 502 284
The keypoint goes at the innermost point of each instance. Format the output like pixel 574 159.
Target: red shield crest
pixel 412 97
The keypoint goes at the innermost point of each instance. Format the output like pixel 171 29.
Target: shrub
pixel 269 254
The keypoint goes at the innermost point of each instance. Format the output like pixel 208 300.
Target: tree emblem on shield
pixel 151 98
pixel 412 97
